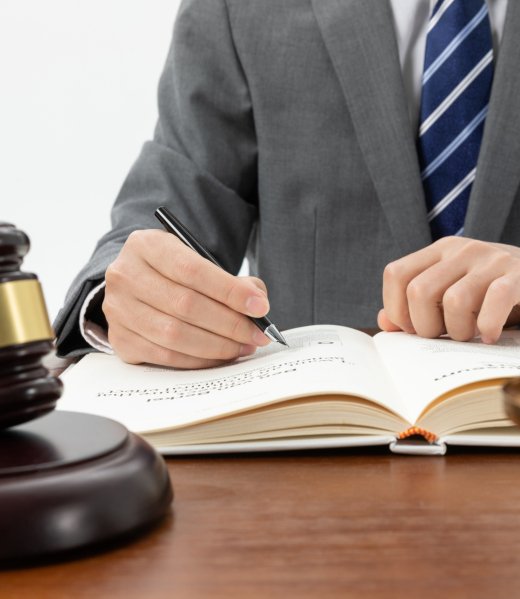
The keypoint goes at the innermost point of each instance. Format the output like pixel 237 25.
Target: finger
pixel 425 295
pixel 174 334
pixel 462 303
pixel 385 324
pixel 257 283
pixel 175 261
pixel 188 305
pixel 134 349
pixel 460 317
pixel 502 295
pixel 396 278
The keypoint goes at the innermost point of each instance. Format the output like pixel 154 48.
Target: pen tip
pixel 274 334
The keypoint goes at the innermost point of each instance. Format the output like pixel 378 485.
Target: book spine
pixel 417 447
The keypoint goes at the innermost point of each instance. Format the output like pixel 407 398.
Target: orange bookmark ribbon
pixel 416 430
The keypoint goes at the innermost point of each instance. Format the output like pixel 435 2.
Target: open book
pixel 333 387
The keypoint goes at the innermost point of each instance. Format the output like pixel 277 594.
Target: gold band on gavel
pixel 23 316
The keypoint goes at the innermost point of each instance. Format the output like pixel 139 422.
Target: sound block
pixel 72 480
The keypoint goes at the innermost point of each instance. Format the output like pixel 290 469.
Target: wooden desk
pixel 329 524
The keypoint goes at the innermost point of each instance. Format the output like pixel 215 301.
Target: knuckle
pixel 110 272
pixel 231 291
pixel 114 274
pixel 172 331
pixel 143 237
pixel 449 245
pixel 187 268
pixel 444 243
pixel 235 331
pixel 185 304
pixel 456 300
pixel 471 247
pixel 134 240
pixel 502 288
pixel 394 272
pixel 417 291
pixel 501 260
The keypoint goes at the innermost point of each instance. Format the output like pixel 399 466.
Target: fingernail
pixel 257 306
pixel 246 350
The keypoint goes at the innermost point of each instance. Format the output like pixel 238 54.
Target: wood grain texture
pixel 328 524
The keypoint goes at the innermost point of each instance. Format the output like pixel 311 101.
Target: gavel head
pixel 27 390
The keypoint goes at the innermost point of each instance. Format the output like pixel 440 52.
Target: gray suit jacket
pixel 284 131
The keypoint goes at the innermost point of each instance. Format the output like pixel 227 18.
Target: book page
pixel 424 369
pixel 320 360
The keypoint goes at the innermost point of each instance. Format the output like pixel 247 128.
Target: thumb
pixel 258 283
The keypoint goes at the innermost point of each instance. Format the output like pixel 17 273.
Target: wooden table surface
pixel 328 524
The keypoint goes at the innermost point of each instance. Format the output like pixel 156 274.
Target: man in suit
pixel 289 131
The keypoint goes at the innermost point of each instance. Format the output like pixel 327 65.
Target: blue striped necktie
pixel 456 85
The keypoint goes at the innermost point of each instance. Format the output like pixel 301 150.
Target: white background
pixel 78 84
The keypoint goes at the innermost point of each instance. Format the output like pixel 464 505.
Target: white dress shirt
pixel 411 22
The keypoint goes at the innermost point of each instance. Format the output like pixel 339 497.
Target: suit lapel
pixel 498 171
pixel 360 38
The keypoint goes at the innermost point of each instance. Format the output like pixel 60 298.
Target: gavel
pixel 67 480
pixel 27 390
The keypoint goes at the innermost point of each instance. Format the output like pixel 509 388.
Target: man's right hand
pixel 167 305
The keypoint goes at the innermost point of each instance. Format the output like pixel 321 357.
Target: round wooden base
pixel 70 480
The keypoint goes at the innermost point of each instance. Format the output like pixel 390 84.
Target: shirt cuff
pixel 94 334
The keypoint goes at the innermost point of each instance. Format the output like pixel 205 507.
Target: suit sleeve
pixel 202 161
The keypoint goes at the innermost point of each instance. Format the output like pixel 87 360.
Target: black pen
pixel 173 225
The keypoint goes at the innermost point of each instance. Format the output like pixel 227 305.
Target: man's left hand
pixel 458 286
